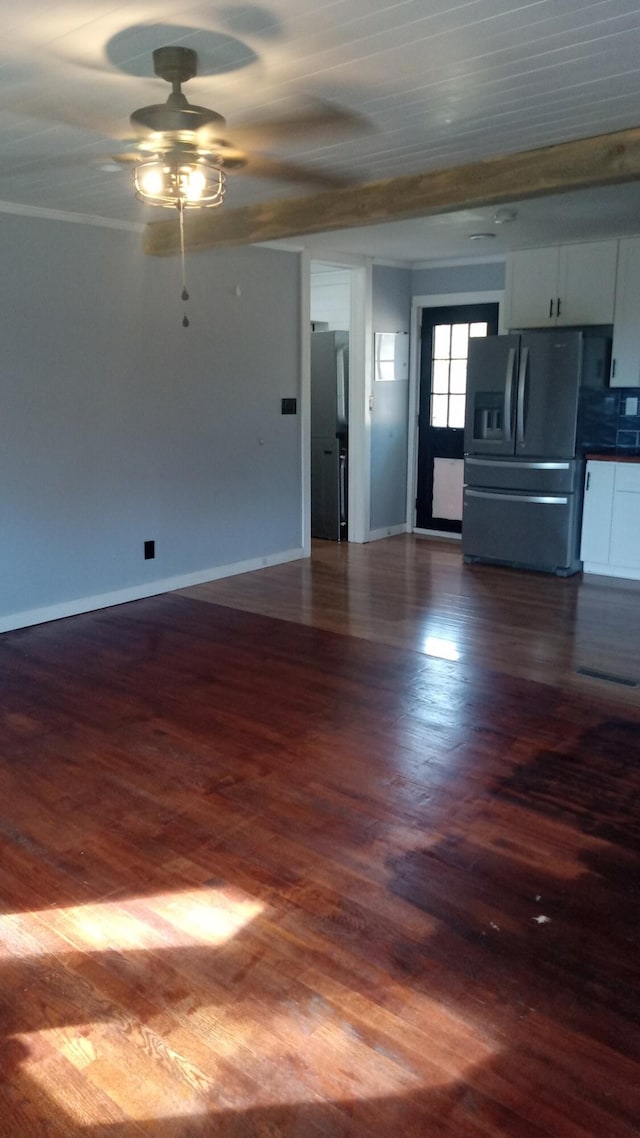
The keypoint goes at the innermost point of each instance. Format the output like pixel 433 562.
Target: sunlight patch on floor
pixel 441 648
pixel 117 1087
pixel 163 920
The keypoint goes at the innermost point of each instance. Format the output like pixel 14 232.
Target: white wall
pixel 117 425
pixel 390 414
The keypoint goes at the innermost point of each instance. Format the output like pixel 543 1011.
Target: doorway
pixel 444 342
pixel 339 295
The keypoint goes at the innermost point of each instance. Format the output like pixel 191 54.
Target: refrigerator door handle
pixel 541 500
pixel 341 392
pixel 472 461
pixel 342 494
pixel 508 393
pixel 522 382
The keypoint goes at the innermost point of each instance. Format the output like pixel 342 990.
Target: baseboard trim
pixel 387 531
pixel 30 617
pixel 438 533
pixel 622 572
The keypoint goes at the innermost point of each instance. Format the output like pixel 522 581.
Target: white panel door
pixel 625 525
pixel 597 513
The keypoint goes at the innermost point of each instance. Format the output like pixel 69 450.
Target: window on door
pixel 450 349
pixel 444 346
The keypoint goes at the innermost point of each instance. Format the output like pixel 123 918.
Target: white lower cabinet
pixel 611 519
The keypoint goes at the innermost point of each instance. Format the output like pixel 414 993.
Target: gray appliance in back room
pixel 524 468
pixel 329 434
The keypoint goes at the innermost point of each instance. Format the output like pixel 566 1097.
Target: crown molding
pixel 74 218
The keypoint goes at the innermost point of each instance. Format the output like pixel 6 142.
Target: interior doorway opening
pixel 330 310
pixel 339 444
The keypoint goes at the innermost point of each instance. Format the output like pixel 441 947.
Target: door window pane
pixel 456 411
pixel 440 380
pixel 458 376
pixel 459 341
pixel 449 371
pixel 442 342
pixel 439 410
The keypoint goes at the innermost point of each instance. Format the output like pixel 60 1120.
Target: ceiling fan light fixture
pixel 179 180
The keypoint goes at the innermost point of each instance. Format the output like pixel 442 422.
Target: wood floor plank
pixel 283 874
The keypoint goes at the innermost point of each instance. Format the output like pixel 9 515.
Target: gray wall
pixel 391 302
pixel 118 425
pixel 487 276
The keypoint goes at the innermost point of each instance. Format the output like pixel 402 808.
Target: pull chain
pixel 184 294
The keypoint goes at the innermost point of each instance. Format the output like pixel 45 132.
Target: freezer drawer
pixel 541 476
pixel 529 531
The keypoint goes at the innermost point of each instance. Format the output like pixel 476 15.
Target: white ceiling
pixel 428 83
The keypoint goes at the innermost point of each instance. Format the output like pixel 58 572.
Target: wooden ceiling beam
pixel 607 159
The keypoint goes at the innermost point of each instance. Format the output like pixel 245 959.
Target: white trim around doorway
pixel 360 386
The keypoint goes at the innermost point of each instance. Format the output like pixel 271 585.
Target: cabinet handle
pixel 551 308
pixel 558 312
pixel 613 369
pixel 588 479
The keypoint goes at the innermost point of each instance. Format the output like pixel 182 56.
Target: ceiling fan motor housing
pixel 177 116
pixel 175 64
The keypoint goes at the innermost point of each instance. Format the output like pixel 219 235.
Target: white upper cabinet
pixel 532 286
pixel 625 356
pixel 562 285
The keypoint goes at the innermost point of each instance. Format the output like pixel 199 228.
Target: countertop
pixel 613 456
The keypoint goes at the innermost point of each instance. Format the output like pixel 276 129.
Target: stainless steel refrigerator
pixel 329 434
pixel 523 465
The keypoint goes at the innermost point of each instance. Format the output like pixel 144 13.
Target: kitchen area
pixel 552 426
pixel 585 294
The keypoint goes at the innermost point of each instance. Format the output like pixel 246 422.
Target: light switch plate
pixel 631 405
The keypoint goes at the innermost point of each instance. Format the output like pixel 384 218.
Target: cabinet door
pixel 587 283
pixel 598 508
pixel 533 288
pixel 625 524
pixel 625 360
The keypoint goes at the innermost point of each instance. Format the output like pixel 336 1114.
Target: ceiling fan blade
pixel 262 166
pixel 33 164
pixel 127 157
pixel 323 117
pixel 85 113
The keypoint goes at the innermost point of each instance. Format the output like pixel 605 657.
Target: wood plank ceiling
pixel 428 85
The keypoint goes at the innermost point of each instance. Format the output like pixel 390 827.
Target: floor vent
pixel 593 674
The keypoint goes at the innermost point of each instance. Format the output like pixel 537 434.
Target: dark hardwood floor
pixel 260 877
pixel 415 593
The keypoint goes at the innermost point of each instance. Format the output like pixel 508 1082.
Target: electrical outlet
pixel 631 405
pixel 289 406
pixel 149 550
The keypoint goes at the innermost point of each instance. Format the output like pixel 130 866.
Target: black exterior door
pixel 443 381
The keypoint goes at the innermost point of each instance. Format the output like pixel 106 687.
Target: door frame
pixel 360 388
pixel 437 300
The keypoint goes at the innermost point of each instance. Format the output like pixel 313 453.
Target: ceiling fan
pixel 183 153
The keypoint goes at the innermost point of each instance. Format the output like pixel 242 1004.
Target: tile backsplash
pixel 604 422
pixel 628 434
